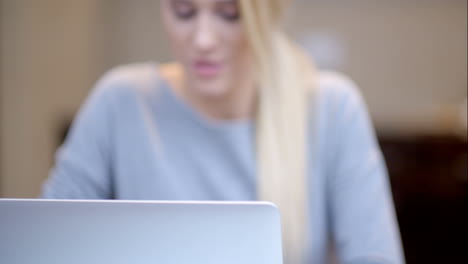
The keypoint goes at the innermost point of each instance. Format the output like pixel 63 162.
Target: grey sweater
pixel 135 139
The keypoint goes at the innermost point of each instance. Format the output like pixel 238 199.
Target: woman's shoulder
pixel 337 92
pixel 335 85
pixel 338 106
pixel 129 77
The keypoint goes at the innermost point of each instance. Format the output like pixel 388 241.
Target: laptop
pixel 138 232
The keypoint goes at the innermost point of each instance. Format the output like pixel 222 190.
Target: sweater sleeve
pixel 83 163
pixel 363 220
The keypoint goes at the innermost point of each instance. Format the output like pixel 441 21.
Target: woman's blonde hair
pixel 286 80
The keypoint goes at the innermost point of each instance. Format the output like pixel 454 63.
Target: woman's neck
pixel 238 103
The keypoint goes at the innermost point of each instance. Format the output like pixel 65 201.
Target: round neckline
pixel 197 116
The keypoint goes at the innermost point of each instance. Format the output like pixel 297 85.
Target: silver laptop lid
pixel 142 232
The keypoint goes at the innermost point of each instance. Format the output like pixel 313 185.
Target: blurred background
pixel 408 57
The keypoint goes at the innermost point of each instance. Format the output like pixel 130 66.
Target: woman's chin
pixel 211 89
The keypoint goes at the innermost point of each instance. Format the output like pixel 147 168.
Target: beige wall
pixel 409 57
pixel 52 51
pixel 49 62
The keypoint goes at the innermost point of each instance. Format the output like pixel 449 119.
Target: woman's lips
pixel 206 69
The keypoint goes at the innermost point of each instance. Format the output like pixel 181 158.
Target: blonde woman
pixel 241 115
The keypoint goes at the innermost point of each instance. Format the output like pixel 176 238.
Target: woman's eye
pixel 229 11
pixel 183 9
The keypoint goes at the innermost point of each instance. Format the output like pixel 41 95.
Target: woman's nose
pixel 205 38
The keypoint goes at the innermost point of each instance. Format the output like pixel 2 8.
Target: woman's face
pixel 208 39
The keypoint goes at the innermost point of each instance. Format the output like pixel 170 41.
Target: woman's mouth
pixel 206 69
